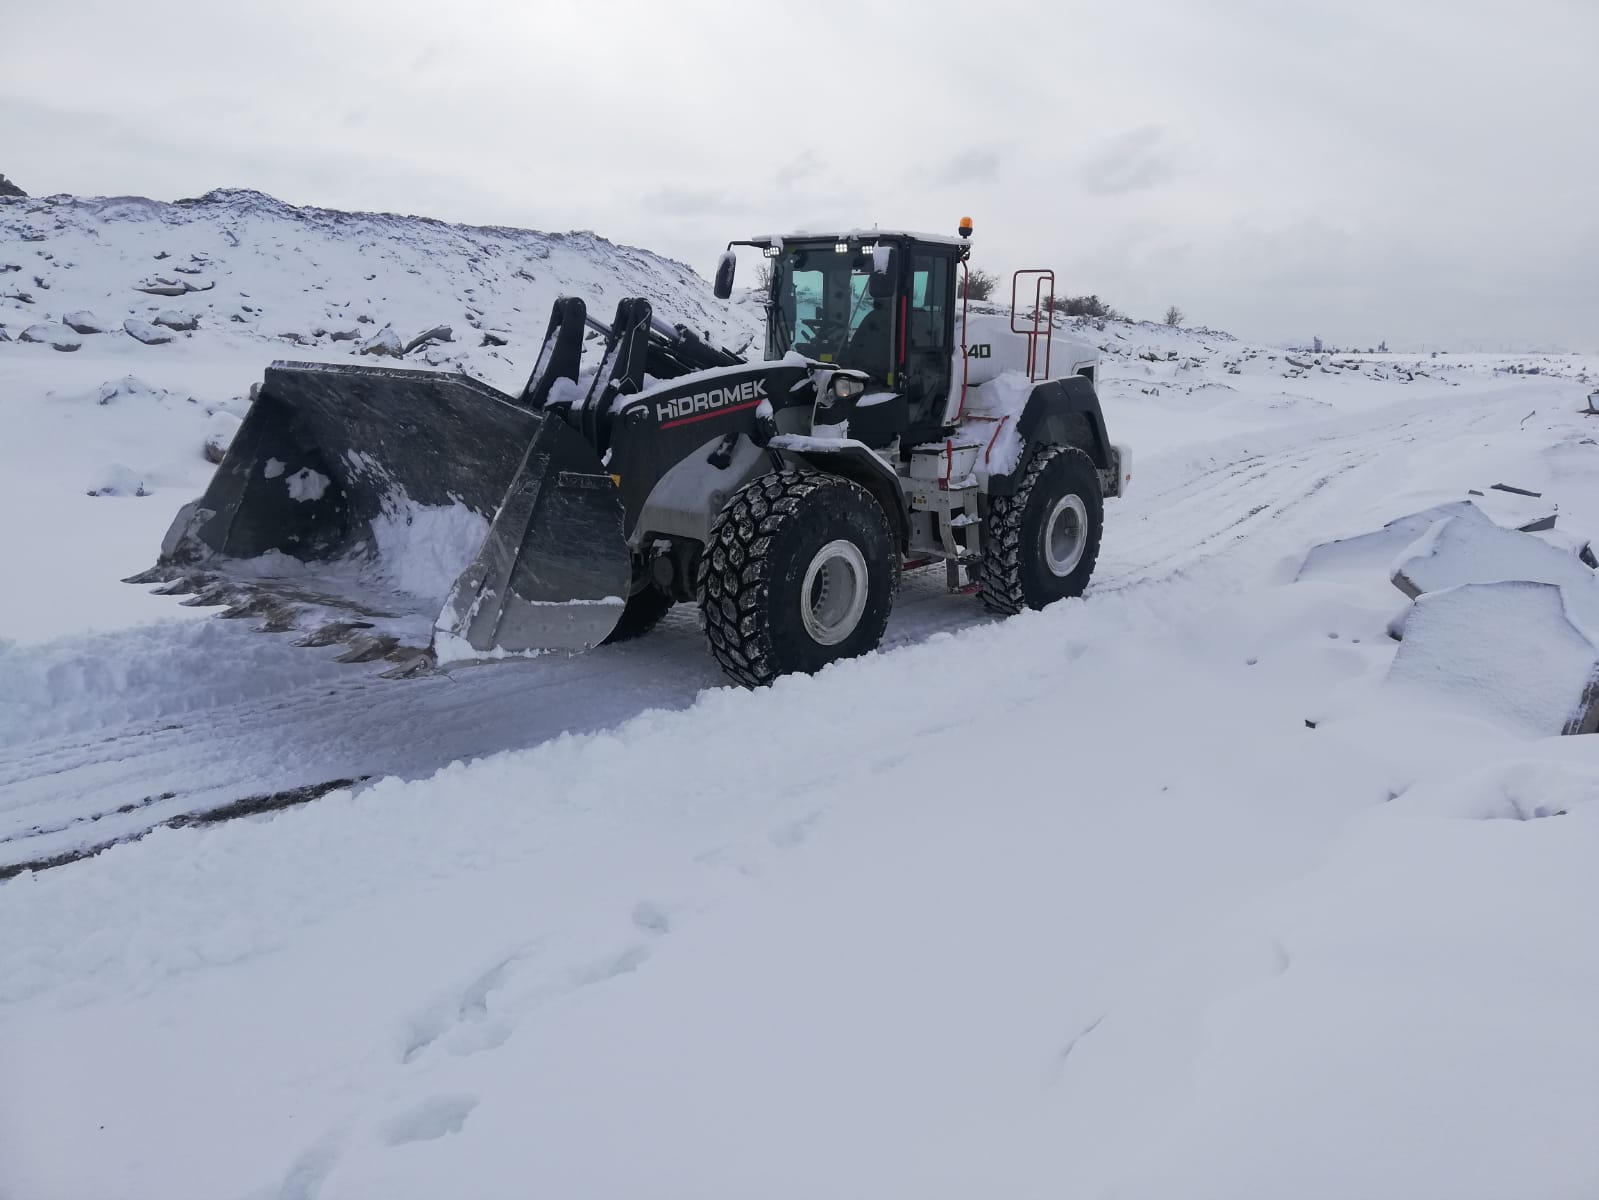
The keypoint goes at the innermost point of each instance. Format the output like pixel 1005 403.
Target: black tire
pixel 784 565
pixel 1040 545
pixel 644 610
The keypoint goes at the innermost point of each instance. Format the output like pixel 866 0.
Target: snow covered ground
pixel 1166 891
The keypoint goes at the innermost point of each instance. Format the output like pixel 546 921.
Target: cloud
pixel 975 164
pixel 696 202
pixel 1133 161
pixel 1338 166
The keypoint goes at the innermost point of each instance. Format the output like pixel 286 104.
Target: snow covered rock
pixel 219 433
pixel 83 321
pixel 439 333
pixel 1375 551
pixel 117 480
pixel 127 386
pixel 384 342
pixel 58 337
pixel 1455 552
pixel 162 286
pixel 1510 651
pixel 181 321
pixel 145 332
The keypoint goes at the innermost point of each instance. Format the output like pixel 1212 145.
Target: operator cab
pixel 881 303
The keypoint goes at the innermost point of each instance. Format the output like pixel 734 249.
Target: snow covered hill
pixel 1174 890
pixel 245 268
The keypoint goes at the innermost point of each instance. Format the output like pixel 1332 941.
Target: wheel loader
pixel 425 518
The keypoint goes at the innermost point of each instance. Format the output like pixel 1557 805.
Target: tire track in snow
pixel 79 790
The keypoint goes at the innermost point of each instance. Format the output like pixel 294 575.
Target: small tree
pixel 1382 347
pixel 1316 345
pixel 763 277
pixel 1086 306
pixel 978 285
pixel 7 188
pixel 1174 316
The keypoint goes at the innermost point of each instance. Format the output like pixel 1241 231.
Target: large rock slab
pixel 1510 651
pixel 1456 552
pixel 1375 551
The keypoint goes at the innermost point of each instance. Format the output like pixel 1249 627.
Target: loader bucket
pixel 418 515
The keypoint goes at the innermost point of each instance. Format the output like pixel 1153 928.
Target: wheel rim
pixel 1065 535
pixel 834 594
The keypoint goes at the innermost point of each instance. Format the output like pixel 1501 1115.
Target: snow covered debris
pixel 145 332
pixel 117 480
pixel 1506 651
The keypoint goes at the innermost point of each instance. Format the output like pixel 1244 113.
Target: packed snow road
pixel 225 715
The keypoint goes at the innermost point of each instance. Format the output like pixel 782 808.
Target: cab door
pixel 929 338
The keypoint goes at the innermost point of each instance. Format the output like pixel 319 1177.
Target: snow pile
pixel 422 549
pixel 992 412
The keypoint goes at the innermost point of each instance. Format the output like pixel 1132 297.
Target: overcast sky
pixel 1421 171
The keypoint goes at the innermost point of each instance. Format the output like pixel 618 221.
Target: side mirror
pixel 725 267
pixel 885 274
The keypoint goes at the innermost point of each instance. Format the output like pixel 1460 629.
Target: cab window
pixel 929 319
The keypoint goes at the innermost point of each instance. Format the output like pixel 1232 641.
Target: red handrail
pixel 1043 315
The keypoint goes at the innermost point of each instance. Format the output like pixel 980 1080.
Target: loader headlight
pixel 846 388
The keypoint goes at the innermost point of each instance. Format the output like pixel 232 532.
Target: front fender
pixel 855 461
pixel 1059 412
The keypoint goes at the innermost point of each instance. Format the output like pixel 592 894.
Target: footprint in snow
pixel 432 1118
pixel 462 1023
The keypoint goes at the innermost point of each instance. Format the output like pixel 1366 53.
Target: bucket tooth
pixel 367 648
pixel 156 574
pixel 215 595
pixel 280 616
pixel 409 661
pixel 332 633
pixel 254 606
pixel 178 587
